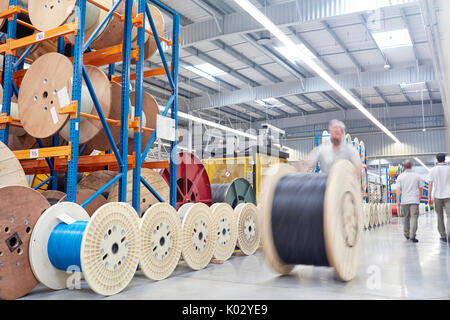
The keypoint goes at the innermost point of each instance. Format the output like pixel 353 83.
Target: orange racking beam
pixel 12 45
pixel 147 74
pixel 63 151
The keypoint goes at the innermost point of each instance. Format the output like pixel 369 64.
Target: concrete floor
pixel 391 268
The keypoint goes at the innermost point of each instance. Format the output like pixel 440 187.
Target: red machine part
pixel 192 180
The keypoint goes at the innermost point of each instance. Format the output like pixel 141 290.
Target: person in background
pixel 410 187
pixel 328 154
pixel 440 184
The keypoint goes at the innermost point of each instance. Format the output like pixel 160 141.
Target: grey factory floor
pixel 391 268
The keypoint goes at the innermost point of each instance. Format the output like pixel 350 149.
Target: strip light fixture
pixel 269 25
pixel 212 124
pixel 422 164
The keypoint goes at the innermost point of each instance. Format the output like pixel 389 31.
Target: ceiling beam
pixel 285 14
pixel 405 20
pixel 369 33
pixel 342 45
pixel 367 79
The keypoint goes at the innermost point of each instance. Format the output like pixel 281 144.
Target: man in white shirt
pixel 440 184
pixel 327 154
pixel 410 186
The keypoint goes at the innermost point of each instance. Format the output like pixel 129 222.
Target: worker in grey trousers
pixel 409 186
pixel 440 184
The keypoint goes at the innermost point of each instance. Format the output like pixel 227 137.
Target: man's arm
pixel 430 190
pixel 310 161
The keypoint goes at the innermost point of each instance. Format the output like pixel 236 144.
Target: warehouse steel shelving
pixel 67 158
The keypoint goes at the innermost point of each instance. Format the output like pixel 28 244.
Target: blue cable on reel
pixel 64 245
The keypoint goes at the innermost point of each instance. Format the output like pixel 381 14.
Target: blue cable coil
pixel 64 245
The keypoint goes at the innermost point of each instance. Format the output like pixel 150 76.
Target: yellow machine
pixel 252 168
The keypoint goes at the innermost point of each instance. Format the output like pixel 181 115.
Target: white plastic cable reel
pixel 199 235
pixel 161 238
pixel 248 239
pixel 109 251
pixel 226 230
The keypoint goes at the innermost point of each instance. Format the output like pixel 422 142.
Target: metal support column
pixel 8 75
pixel 76 96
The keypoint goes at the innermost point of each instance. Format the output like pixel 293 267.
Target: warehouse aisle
pixel 391 268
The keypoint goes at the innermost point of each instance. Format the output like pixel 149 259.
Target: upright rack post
pixel 8 74
pixel 125 105
pixel 139 88
pixel 174 115
pixel 76 97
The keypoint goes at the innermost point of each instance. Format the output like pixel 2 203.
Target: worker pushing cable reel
pixel 313 219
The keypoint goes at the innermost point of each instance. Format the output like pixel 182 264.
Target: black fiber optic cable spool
pixel 312 219
pixel 234 193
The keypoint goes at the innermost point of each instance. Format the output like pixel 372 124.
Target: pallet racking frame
pixel 68 158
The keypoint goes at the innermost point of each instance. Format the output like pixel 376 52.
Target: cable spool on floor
pixel 53 196
pixel 20 209
pixel 147 198
pixel 234 193
pixel 161 240
pixel 356 144
pixel 226 230
pixel 249 233
pixel 312 219
pixel 105 247
pixel 365 211
pixel 370 215
pixel 11 171
pixel 199 235
pixel 193 184
pixel 82 195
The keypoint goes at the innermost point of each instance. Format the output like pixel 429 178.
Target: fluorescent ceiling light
pixel 270 102
pixel 393 39
pixel 422 164
pixel 212 124
pixel 205 70
pixel 269 25
pixel 292 54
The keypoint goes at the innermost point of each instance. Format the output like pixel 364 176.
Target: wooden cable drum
pixel 248 231
pixel 199 235
pixel 161 239
pixel 371 215
pixel 192 180
pixel 226 229
pixel 21 30
pixel 90 128
pixel 234 193
pixel 53 196
pixel 50 14
pixel 100 141
pixel 312 219
pixel 104 247
pixel 96 180
pixel 112 33
pixel 26 142
pixel 147 198
pixel 20 209
pixel 150 44
pixel 150 111
pixel 45 89
pixel 11 171
pixel 82 195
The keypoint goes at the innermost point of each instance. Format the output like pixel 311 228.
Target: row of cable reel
pixel 108 247
pixel 376 214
